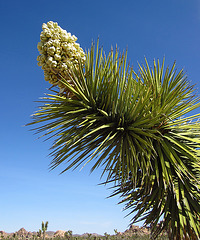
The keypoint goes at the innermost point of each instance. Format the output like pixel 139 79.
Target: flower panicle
pixel 58 52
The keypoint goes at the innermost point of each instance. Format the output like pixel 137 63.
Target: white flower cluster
pixel 58 51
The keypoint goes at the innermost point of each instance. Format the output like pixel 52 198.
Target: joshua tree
pixel 136 125
pixel 44 228
pixel 106 235
pixel 39 233
pixel 68 234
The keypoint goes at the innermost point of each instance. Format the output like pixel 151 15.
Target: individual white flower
pixel 47 34
pixel 55 36
pixel 64 67
pixel 49 43
pixel 40 46
pixel 49 60
pixel 55 24
pixel 68 34
pixel 57 57
pixel 56 43
pixel 58 50
pixel 64 45
pixel 43 37
pixel 53 64
pixel 50 24
pixel 51 50
pixel 64 38
pixel 76 45
pixel 39 58
pixel 44 26
pixel 74 38
pixel 44 67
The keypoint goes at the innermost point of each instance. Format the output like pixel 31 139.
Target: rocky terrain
pixel 22 233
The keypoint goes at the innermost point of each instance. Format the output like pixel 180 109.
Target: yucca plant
pixel 136 127
pixel 44 228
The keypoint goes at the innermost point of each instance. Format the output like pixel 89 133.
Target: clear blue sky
pixel 30 193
